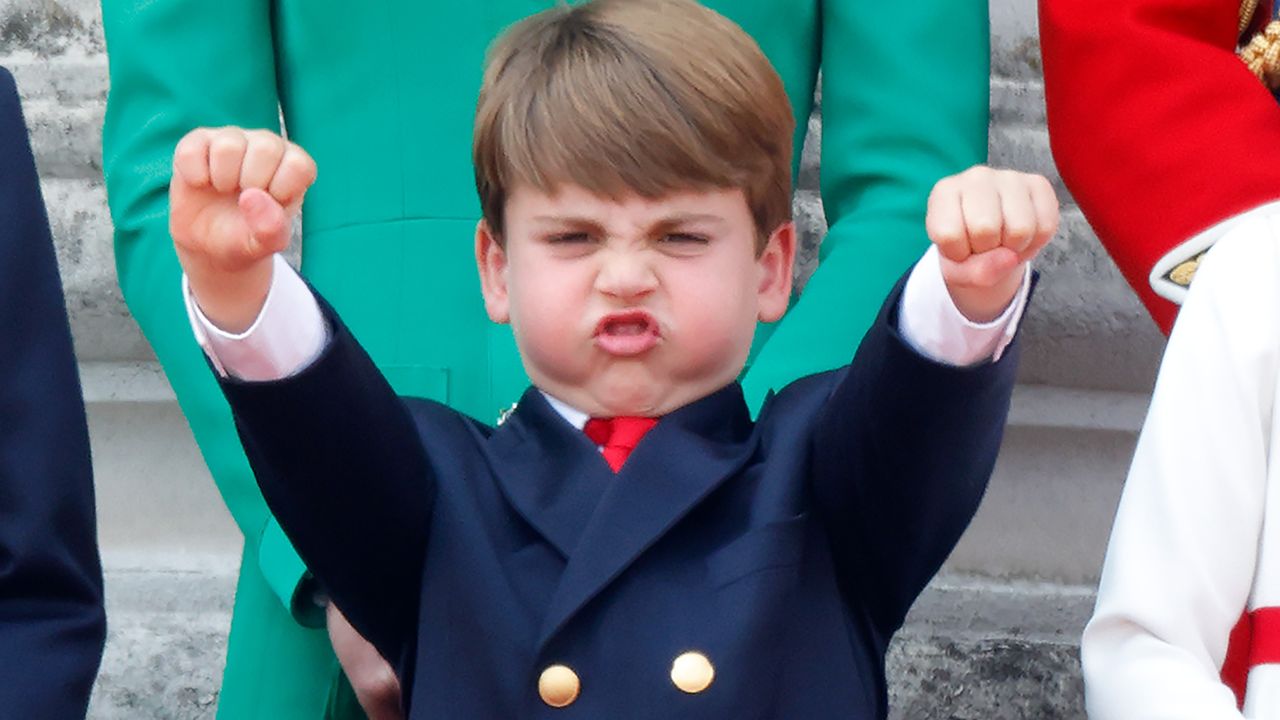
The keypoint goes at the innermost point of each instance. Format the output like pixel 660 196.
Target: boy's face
pixel 633 307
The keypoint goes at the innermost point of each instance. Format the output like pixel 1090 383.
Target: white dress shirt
pixel 290 333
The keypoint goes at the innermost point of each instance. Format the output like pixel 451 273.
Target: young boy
pixel 675 559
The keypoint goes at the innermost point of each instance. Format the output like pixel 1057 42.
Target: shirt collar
pixel 572 415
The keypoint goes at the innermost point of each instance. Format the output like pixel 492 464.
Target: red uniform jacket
pixel 1158 129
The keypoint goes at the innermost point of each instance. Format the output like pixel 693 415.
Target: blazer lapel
pixel 688 454
pixel 549 471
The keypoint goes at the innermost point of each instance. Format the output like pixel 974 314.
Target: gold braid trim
pixel 1262 55
pixel 1247 9
pixel 1185 272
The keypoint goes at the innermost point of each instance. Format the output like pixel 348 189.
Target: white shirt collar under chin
pixel 572 415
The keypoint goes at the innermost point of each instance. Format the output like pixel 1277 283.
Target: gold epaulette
pixel 1184 272
pixel 1261 54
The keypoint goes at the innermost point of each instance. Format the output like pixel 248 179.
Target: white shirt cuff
pixel 933 326
pixel 286 337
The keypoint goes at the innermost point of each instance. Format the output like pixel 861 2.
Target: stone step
pixel 167 623
pixel 81 226
pixel 153 491
pixel 974 648
pixel 1026 148
pixel 68 79
pixel 1085 327
pixel 101 326
pixel 1015 44
pixel 66 139
pixel 40 29
pixel 1051 501
pixel 1017 102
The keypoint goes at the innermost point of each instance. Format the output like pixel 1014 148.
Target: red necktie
pixel 618 436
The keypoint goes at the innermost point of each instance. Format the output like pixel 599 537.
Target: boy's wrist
pixel 983 305
pixel 231 301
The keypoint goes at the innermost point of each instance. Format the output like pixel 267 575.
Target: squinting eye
pixel 569 239
pixel 684 239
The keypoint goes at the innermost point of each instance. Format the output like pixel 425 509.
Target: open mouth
pixel 627 333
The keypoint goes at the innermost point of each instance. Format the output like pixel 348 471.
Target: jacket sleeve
pixel 904 103
pixel 341 463
pixel 52 624
pixel 1159 130
pixel 1181 561
pixel 176 65
pixel 902 453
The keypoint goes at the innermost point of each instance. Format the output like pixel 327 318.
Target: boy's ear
pixel 491 260
pixel 776 262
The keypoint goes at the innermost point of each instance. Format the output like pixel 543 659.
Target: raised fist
pixel 987 225
pixel 232 202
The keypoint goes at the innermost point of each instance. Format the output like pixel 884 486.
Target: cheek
pixel 719 312
pixel 545 306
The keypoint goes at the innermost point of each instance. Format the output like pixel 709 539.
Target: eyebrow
pixel 574 221
pixel 664 222
pixel 681 218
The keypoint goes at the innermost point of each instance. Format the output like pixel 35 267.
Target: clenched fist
pixel 988 224
pixel 232 202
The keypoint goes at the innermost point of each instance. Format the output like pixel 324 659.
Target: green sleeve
pixel 905 94
pixel 175 66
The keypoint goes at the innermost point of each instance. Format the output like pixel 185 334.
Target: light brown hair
pixel 633 96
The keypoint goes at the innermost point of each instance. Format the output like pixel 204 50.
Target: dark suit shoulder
pixel 428 413
pixel 803 396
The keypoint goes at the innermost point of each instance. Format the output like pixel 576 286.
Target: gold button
pixel 692 672
pixel 558 686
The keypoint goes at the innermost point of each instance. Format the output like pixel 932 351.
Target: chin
pixel 630 392
pixel 630 400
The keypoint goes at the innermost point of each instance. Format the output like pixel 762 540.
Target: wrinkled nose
pixel 626 275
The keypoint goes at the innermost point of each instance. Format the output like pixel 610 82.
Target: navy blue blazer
pixel 786 551
pixel 51 618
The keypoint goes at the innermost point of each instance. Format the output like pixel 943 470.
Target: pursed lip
pixel 627 332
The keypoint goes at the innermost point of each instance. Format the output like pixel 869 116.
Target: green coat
pixel 382 95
